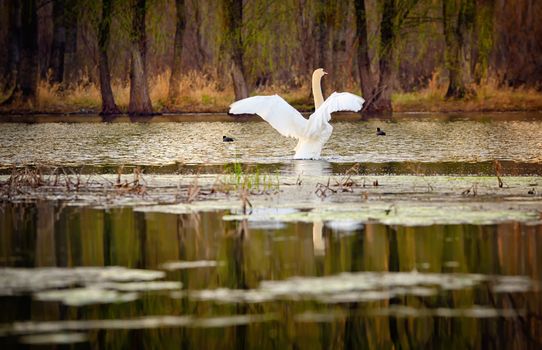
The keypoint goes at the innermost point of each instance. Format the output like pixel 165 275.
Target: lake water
pixel 415 139
pixel 127 277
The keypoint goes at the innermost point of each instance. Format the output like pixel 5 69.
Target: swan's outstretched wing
pixel 277 112
pixel 342 101
pixel 337 101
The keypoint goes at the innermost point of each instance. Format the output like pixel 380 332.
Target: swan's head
pixel 318 74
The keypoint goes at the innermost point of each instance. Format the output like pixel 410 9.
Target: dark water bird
pixel 227 139
pixel 380 132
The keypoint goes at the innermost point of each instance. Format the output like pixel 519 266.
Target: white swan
pixel 312 133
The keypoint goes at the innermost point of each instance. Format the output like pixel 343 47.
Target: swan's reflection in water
pixel 301 167
pixel 344 227
pixel 318 242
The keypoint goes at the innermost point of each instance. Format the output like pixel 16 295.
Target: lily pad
pixel 357 287
pixel 85 296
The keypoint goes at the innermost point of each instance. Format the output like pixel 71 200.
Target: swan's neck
pixel 317 91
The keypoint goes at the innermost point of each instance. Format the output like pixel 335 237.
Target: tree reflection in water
pixel 473 305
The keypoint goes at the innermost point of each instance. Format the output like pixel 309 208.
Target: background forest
pixel 146 56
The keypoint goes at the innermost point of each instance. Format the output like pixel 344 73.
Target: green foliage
pixel 250 179
pixel 266 25
pixel 484 32
pixel 281 42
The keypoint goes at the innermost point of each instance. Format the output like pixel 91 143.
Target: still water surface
pixel 124 278
pixel 201 282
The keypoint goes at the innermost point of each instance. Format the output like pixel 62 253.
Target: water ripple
pixel 257 142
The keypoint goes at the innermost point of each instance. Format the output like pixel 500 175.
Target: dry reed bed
pixel 43 182
pixel 199 93
pixel 405 200
pixel 205 92
pixel 485 97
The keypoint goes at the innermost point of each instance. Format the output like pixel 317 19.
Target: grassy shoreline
pixel 207 95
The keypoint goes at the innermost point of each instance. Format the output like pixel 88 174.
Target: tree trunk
pixel 382 99
pixel 364 62
pixel 201 55
pixel 140 102
pixel 26 83
pixel 451 23
pixel 56 62
pixel 305 38
pixel 233 13
pixel 14 55
pixel 323 40
pixel 108 101
pixel 516 53
pixel 29 64
pixel 323 34
pixel 176 70
pixel 338 37
pixel 71 69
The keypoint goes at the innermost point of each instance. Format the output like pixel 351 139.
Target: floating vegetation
pixel 320 317
pixel 15 281
pixel 85 296
pixel 83 285
pixel 344 225
pixel 149 322
pixel 187 208
pixel 140 286
pixel 232 320
pixel 403 311
pixel 512 284
pixel 181 265
pixel 476 311
pixel 351 216
pixel 359 287
pixel 203 190
pixel 403 200
pixel 54 338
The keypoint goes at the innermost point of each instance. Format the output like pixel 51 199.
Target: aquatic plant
pixel 249 179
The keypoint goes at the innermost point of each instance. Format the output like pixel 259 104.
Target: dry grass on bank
pixel 206 93
pixel 486 97
pixel 200 93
